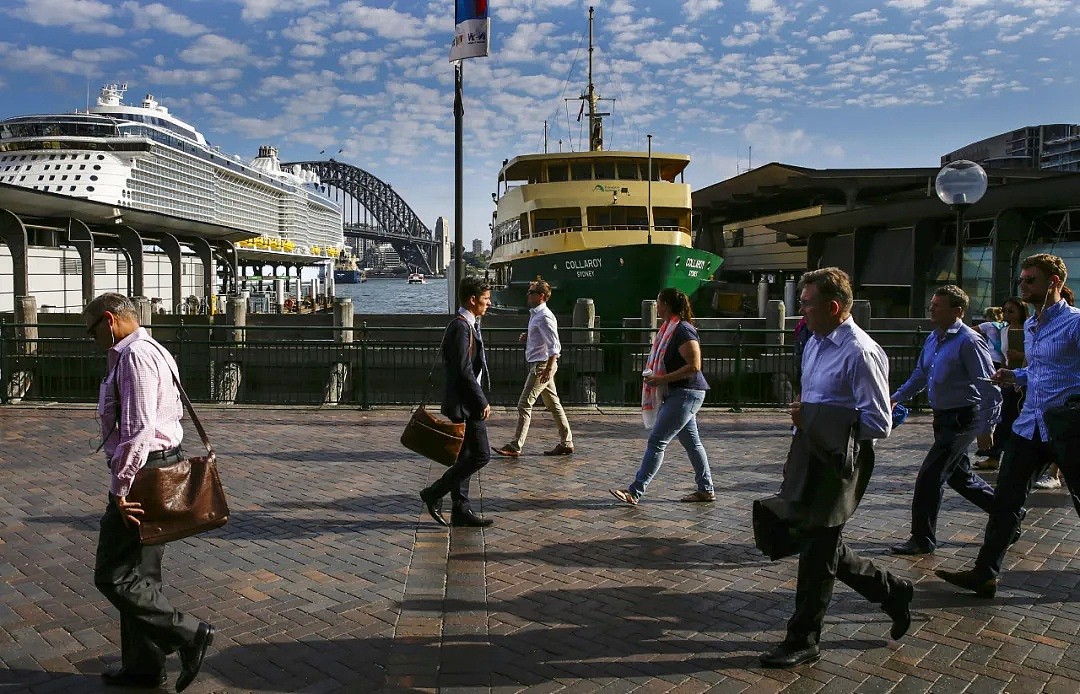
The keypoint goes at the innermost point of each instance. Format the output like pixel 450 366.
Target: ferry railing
pixel 389 366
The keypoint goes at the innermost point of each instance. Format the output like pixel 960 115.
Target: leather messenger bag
pixel 432 437
pixel 182 499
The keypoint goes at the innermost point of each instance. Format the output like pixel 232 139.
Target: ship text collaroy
pixel 586 264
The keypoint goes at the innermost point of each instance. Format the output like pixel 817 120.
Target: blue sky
pixel 820 84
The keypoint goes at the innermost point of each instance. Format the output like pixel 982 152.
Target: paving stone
pixel 331 577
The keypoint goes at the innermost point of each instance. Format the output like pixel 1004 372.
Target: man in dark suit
pixel 464 401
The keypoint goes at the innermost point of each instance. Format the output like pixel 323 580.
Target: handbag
pixel 434 438
pixel 182 499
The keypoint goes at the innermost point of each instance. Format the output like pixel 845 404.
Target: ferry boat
pixel 416 278
pixel 613 226
pixel 142 157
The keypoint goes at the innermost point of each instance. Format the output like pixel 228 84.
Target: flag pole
pixel 459 215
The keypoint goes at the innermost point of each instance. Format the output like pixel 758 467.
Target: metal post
pixel 737 390
pixel 649 187
pixel 459 213
pixel 958 270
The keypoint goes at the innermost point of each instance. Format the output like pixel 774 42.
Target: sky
pixel 733 83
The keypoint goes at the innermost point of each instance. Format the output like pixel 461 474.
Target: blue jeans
pixel 677 417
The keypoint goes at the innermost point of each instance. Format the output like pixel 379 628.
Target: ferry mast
pixel 596 123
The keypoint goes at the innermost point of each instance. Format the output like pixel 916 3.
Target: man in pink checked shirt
pixel 140 409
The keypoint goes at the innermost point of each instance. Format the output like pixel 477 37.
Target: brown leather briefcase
pixel 433 438
pixel 179 500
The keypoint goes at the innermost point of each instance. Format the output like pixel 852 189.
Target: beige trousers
pixel 535 389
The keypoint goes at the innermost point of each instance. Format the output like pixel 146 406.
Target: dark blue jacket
pixel 463 357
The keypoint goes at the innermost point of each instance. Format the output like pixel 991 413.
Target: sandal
pixel 624 496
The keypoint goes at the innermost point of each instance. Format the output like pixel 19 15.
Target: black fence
pixel 391 366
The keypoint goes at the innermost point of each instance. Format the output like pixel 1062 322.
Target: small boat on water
pixel 346 271
pixel 613 226
pixel 416 278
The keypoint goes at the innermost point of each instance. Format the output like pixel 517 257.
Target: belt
pixel 165 457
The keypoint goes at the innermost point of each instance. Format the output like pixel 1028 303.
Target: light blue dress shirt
pixel 542 340
pixel 950 367
pixel 847 368
pixel 1052 374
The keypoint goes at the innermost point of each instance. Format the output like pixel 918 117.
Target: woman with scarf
pixel 671 395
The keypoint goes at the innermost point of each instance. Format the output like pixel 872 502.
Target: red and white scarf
pixel 652 396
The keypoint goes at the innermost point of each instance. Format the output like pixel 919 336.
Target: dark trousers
pixel 475 454
pixel 825 558
pixel 1021 465
pixel 946 463
pixel 1011 400
pixel 129 575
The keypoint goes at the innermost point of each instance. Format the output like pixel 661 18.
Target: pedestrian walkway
pixel 331 577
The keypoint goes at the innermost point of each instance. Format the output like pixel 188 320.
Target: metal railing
pixel 390 365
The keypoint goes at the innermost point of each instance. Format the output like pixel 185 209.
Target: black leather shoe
pixel 969 580
pixel 191 657
pixel 911 547
pixel 469 519
pixel 784 656
pixel 119 677
pixel 898 606
pixel 434 506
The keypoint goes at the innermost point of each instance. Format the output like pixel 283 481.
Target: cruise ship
pixel 142 157
pixel 613 226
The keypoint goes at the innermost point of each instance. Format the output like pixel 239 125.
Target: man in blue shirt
pixel 955 367
pixel 1052 374
pixel 842 366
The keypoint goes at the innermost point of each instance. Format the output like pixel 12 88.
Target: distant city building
pixel 381 256
pixel 443 242
pixel 1052 147
pixel 477 247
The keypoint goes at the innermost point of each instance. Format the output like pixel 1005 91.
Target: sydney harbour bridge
pixel 372 210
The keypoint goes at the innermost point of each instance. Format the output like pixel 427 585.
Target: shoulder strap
pixel 431 372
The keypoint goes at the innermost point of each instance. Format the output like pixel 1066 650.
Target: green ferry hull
pixel 616 278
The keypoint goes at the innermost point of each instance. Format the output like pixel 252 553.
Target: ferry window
pixel 90 188
pixel 93 178
pixel 572 223
pixel 97 167
pixel 580 172
pixel 604 170
pixel 543 225
pixel 556 173
pixel 101 156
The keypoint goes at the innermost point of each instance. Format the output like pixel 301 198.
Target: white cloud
pixel 870 17
pixel 833 36
pixel 696 9
pixel 80 16
pixel 258 10
pixel 893 42
pixel 666 51
pixel 212 49
pixel 222 77
pixel 527 43
pixel 908 4
pixel 388 23
pixel 160 17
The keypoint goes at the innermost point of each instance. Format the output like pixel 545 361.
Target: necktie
pixel 485 375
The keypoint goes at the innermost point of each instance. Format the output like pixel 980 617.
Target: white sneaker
pixel 1048 482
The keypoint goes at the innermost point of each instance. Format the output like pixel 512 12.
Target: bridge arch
pixel 397 224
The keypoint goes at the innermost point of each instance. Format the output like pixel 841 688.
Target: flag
pixel 471 26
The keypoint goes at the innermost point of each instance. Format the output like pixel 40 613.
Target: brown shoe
pixel 624 496
pixel 507 452
pixel 700 496
pixel 561 449
pixel 990 463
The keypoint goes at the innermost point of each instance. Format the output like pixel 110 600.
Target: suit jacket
pixel 463 358
pixel 827 469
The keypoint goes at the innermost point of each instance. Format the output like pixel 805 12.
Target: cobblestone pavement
pixel 329 576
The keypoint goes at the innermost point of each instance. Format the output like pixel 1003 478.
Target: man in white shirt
pixel 542 348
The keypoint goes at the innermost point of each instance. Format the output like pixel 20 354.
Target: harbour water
pixel 395 295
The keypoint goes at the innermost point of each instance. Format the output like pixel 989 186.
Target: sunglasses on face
pixel 535 291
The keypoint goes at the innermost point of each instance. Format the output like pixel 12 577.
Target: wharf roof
pixel 27 202
pixel 1049 190
pixel 776 188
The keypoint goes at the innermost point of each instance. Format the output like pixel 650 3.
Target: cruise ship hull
pixel 616 278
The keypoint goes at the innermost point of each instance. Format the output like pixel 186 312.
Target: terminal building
pixel 887 228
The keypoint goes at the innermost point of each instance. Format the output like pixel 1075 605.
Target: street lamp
pixel 960 184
